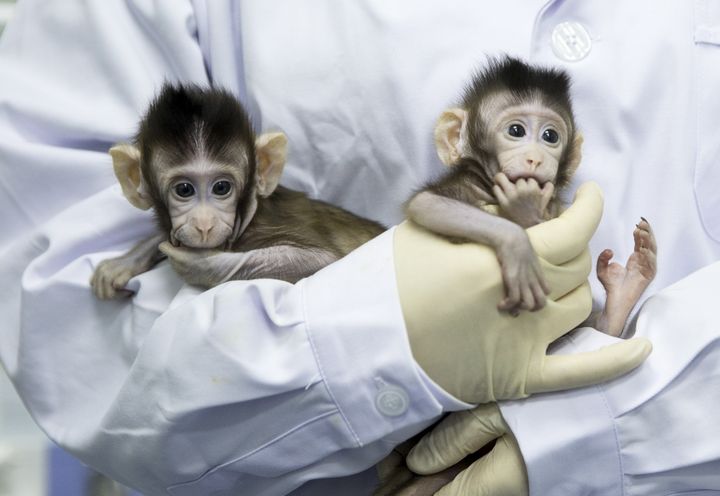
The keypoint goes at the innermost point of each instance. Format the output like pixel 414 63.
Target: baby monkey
pixel 512 145
pixel 213 186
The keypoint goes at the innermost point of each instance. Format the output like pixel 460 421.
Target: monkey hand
pixel 523 201
pixel 448 294
pixel 501 472
pixel 112 275
pixel 200 267
pixel 525 286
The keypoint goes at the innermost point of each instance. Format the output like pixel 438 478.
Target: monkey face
pixel 529 140
pixel 201 197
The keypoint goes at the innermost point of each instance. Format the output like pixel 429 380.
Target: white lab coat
pixel 652 432
pixel 257 387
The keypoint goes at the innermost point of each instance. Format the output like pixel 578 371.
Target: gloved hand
pixel 501 472
pixel 449 292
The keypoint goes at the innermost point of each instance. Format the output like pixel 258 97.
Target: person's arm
pixel 234 381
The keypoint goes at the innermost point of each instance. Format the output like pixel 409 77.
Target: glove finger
pixel 456 436
pixel 564 314
pixel 592 367
pixel 562 279
pixel 499 473
pixel 565 237
pixel 392 474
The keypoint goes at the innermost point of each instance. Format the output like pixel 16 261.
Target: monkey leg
pixel 625 285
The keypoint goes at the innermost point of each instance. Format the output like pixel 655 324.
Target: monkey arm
pixel 208 268
pixel 524 283
pixel 110 277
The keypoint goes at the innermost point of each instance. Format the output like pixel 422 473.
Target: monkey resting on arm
pixel 213 187
pixel 512 146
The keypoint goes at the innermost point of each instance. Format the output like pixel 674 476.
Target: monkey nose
pixel 533 162
pixel 204 230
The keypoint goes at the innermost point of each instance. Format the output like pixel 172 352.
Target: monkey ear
pixel 126 164
pixel 271 149
pixel 448 134
pixel 574 154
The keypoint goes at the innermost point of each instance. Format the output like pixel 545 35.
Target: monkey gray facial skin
pixel 213 186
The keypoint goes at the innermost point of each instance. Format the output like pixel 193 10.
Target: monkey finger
pixel 527 301
pixel 502 180
pixel 540 291
pixel 647 226
pixel 603 260
pixel 540 298
pixel 547 191
pixel 541 282
pixel 500 196
pixel 649 263
pixel 179 255
pixel 641 239
pixel 647 236
pixel 500 176
pixel 512 292
pixel 648 254
pixel 168 249
pixel 537 286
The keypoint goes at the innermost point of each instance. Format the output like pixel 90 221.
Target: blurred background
pixel 30 465
pixel 6 7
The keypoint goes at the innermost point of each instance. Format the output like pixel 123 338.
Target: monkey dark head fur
pixel 517 82
pixel 185 123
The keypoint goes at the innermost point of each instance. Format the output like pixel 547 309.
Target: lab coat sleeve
pixel 256 385
pixel 649 432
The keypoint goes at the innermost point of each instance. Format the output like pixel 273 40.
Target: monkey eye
pixel 184 190
pixel 516 131
pixel 551 136
pixel 221 188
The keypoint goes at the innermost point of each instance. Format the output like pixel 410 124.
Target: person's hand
pixel 501 472
pixel 448 294
pixel 524 201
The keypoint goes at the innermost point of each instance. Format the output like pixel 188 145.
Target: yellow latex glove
pixel 449 294
pixel 500 473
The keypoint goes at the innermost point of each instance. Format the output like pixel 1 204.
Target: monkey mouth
pixel 190 239
pixel 515 177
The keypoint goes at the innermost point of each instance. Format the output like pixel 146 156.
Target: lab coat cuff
pixel 357 331
pixel 571 433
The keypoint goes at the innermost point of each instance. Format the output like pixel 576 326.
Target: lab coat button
pixel 571 41
pixel 392 401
